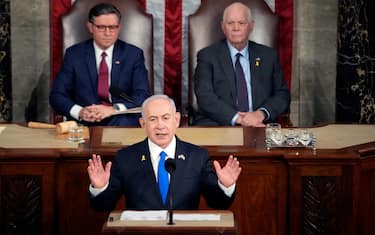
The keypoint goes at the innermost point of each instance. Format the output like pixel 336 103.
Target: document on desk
pixel 196 217
pixel 162 215
pixel 128 111
pixel 144 215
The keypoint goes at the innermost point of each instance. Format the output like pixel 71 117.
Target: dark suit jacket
pixel 135 178
pixel 77 80
pixel 215 83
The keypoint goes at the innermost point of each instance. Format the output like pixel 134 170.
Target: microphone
pixel 117 92
pixel 170 166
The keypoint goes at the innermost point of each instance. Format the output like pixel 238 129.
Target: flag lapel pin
pixel 181 156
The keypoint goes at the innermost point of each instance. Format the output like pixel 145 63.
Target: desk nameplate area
pixel 231 136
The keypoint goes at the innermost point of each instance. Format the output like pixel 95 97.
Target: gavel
pixel 61 127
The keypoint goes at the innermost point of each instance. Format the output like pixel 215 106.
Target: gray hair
pixel 249 15
pixel 157 97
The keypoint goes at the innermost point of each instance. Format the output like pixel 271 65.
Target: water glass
pixel 270 128
pixel 76 134
pixel 291 137
pixel 277 136
pixel 305 137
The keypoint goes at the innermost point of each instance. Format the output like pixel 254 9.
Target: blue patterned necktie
pixel 242 95
pixel 163 181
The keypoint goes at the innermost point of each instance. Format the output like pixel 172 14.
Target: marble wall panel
pixel 314 62
pixel 30 59
pixel 356 62
pixel 5 63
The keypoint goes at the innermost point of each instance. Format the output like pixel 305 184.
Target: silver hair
pixel 249 15
pixel 157 97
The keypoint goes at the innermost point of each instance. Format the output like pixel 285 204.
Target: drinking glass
pixel 291 137
pixel 76 134
pixel 305 137
pixel 270 128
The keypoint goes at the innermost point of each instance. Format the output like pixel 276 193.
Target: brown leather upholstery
pixel 136 27
pixel 205 29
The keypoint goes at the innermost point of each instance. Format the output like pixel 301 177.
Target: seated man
pixel 237 81
pixel 138 170
pixel 82 91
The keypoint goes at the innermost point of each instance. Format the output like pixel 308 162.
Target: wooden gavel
pixel 61 127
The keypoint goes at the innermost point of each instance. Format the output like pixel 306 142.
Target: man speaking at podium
pixel 136 171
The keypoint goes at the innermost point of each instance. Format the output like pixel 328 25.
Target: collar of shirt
pixel 108 58
pixel 155 150
pixel 233 54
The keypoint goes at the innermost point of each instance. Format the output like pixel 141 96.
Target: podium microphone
pixel 170 166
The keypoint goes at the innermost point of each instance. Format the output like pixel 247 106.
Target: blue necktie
pixel 242 95
pixel 163 181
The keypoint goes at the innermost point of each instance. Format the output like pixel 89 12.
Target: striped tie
pixel 242 95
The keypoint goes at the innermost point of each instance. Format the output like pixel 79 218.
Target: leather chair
pixel 204 29
pixel 137 29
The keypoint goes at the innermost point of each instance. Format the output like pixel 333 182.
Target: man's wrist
pixel 265 113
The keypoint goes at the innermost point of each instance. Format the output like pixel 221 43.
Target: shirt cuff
pixel 234 119
pixel 227 190
pixel 267 114
pixel 119 107
pixel 96 191
pixel 74 111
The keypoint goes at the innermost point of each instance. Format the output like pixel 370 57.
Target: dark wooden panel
pixel 27 198
pixel 261 199
pixel 367 197
pixel 321 203
pixel 74 213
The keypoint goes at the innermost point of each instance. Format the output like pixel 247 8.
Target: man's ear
pixel 178 118
pixel 251 27
pixel 142 122
pixel 89 26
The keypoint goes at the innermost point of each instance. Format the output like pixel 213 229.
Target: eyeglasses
pixel 102 28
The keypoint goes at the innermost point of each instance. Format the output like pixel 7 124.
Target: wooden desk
pixel 282 191
pixel 226 225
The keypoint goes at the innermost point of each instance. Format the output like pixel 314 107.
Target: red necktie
pixel 242 95
pixel 103 81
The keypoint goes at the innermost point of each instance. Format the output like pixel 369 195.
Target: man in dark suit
pixel 135 171
pixel 260 95
pixel 81 89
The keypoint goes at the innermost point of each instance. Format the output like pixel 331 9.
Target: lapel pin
pixel 117 62
pixel 257 62
pixel 181 156
pixel 143 158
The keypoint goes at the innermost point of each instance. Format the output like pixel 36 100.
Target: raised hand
pixel 99 176
pixel 228 175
